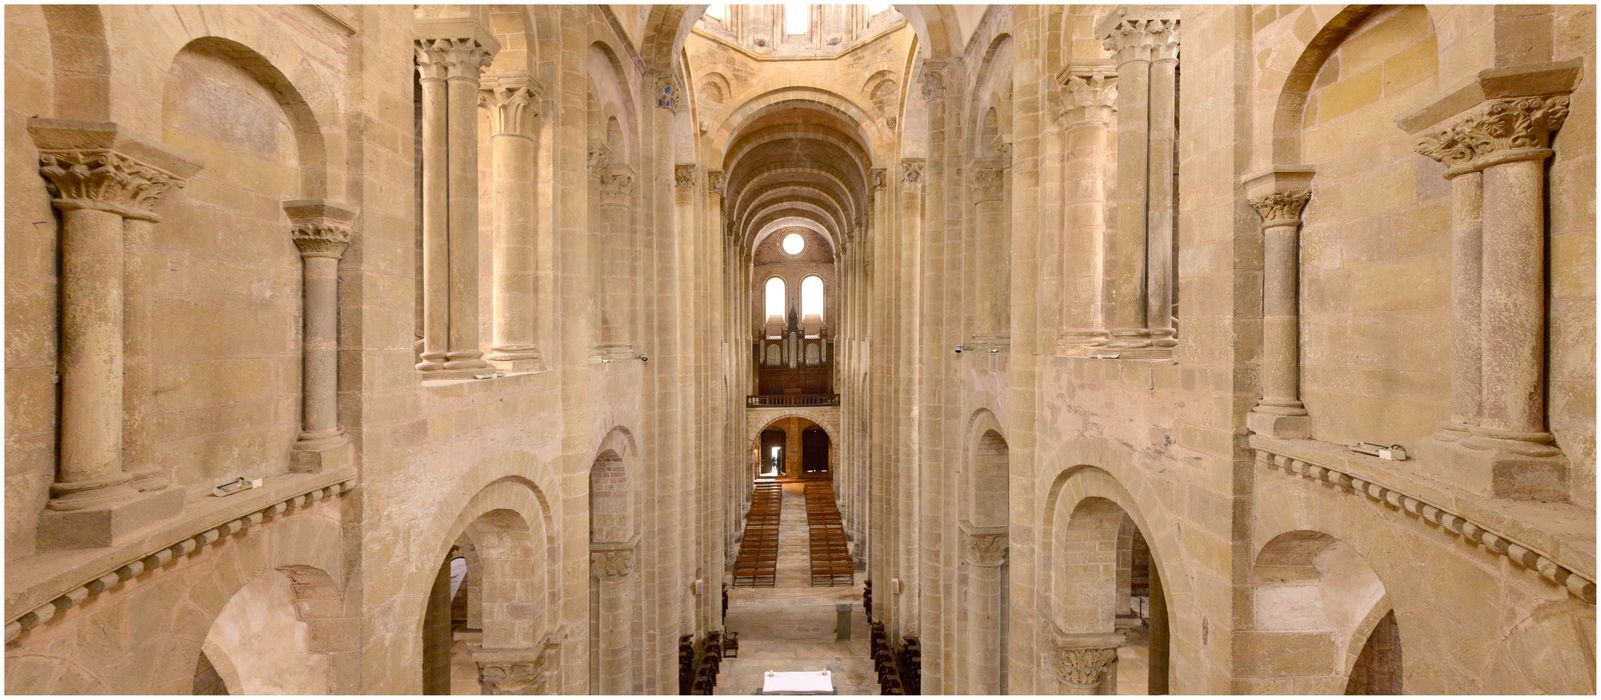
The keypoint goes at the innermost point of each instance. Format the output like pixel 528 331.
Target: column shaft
pixel 1162 201
pixel 1467 200
pixel 320 384
pixel 435 216
pixel 1281 350
pixel 463 351
pixel 138 370
pixel 91 468
pixel 1125 254
pixel 1512 300
pixel 514 261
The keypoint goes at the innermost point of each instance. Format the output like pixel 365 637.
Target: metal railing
pixel 791 400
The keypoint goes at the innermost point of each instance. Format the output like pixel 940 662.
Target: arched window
pixel 797 18
pixel 773 296
pixel 717 12
pixel 812 296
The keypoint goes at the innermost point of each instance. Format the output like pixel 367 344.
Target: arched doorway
pixel 268 638
pixel 793 448
pixel 1110 619
pixel 495 573
pixel 1315 594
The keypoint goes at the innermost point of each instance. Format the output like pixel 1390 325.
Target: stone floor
pixel 1133 663
pixel 791 627
pixel 463 672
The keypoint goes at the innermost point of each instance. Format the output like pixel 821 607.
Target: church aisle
pixel 791 627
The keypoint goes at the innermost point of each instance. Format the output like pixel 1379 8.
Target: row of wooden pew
pixel 831 554
pixel 697 673
pixel 757 563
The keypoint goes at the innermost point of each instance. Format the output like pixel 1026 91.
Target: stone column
pixel 321 230
pixel 1088 99
pixel 988 191
pixel 1137 36
pixel 98 181
pixel 1162 199
pixel 450 56
pixel 1279 196
pixel 985 552
pixel 612 564
pixel 1087 664
pixel 1495 156
pixel 512 100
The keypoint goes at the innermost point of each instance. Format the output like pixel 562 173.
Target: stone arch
pixel 1068 491
pixel 309 140
pixel 513 26
pixel 510 523
pixel 939 33
pixel 220 663
pixel 615 94
pixel 714 86
pixel 80 62
pixel 992 90
pixel 1314 593
pixel 863 127
pixel 277 632
pixel 1297 85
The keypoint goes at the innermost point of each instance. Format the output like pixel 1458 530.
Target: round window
pixel 794 244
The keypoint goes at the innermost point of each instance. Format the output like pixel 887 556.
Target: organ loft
pixel 800 348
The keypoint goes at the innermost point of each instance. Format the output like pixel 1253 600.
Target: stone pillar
pixel 985 552
pixel 138 364
pixel 612 564
pixel 991 287
pixel 321 230
pixel 1496 443
pixel 1279 196
pixel 1088 99
pixel 512 100
pixel 1137 36
pixel 614 187
pixel 1086 664
pixel 1162 187
pixel 99 181
pixel 450 56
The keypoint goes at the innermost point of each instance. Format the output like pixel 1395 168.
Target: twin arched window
pixel 774 299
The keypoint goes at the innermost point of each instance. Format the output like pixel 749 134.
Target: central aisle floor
pixel 791 627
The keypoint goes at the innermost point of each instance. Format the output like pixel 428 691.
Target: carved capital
pixel 715 181
pixel 912 171
pixel 667 91
pixel 320 228
pixel 511 678
pixel 989 182
pixel 1081 667
pixel 1502 125
pixel 1281 208
pixel 612 563
pixel 1140 36
pixel 879 179
pixel 986 548
pixel 510 99
pixel 616 184
pixel 684 176
pixel 452 59
pixel 932 82
pixel 599 157
pixel 100 178
pixel 1088 97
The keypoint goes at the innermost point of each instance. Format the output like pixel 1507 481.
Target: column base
pixel 516 358
pixel 430 361
pixel 109 521
pixel 1129 338
pixel 314 454
pixel 1288 425
pixel 1076 342
pixel 1496 468
pixel 469 360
